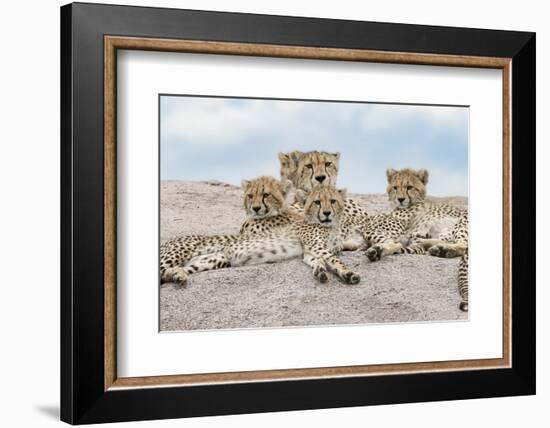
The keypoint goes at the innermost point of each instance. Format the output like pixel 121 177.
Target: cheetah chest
pixel 334 242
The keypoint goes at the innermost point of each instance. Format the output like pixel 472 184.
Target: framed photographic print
pixel 265 213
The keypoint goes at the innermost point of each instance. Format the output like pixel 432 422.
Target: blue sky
pixel 230 139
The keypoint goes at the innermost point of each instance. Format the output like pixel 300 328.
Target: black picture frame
pixel 83 398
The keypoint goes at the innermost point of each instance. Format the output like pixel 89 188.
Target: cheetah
pixel 315 236
pixel 322 234
pixel 266 202
pixel 441 229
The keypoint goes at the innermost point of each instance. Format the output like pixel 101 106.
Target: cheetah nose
pixel 400 200
pixel 256 209
pixel 326 213
pixel 320 178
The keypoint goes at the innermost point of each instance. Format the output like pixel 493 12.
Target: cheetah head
pixel 406 187
pixel 323 205
pixel 265 196
pixel 316 168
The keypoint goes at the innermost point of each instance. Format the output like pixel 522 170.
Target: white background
pixel 144 352
pixel 29 222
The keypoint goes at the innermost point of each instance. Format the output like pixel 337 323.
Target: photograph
pixel 295 213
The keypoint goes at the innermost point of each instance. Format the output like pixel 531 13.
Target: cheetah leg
pixel 463 282
pixel 176 255
pixel 448 249
pixel 318 266
pixel 206 262
pixel 410 245
pixel 171 269
pixel 174 274
pixel 171 261
pixel 443 248
pixel 342 271
pixel 427 243
pixel 413 248
pixel 383 248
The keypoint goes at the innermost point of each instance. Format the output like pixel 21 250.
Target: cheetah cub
pixel 439 228
pixel 266 202
pixel 322 234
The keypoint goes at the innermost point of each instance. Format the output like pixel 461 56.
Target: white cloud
pixel 447 183
pixel 381 117
pixel 228 121
pixel 209 121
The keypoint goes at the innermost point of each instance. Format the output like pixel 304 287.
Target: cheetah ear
pixel 336 155
pixel 295 156
pixel 390 172
pixel 301 196
pixel 423 175
pixel 284 157
pixel 245 183
pixel 343 193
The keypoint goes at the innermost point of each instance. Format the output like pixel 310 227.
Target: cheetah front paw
pixel 374 253
pixel 321 275
pixel 178 276
pixel 351 277
pixel 441 250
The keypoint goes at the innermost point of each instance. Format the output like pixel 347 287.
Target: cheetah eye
pixel 266 195
pixel 309 166
pixel 249 196
pixel 394 187
pixel 333 201
pixel 409 187
pixel 317 202
pixel 327 164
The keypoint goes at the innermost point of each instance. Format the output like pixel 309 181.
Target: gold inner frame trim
pixel 113 43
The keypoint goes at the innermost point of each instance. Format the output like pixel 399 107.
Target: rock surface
pixel 400 288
